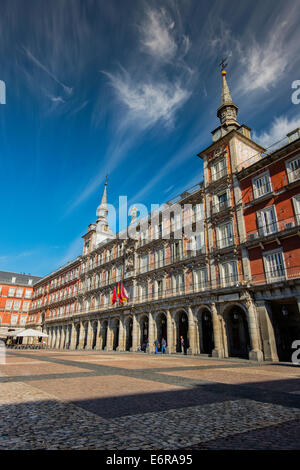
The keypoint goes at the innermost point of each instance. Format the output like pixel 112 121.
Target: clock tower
pixel 227 112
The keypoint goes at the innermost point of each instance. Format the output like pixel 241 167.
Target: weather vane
pixel 106 179
pixel 223 64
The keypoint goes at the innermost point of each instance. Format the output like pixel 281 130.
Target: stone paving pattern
pixel 117 401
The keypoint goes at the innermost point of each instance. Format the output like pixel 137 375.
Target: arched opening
pixel 161 325
pixel 77 335
pixel 286 321
pixel 207 332
pixel 104 334
pixel 94 335
pixel 115 329
pixel 129 325
pixel 182 330
pixel 144 332
pixel 238 333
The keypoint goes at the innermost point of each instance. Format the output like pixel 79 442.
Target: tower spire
pixel 102 228
pixel 227 112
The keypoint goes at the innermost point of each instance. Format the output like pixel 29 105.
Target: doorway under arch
pixel 161 326
pixel 182 330
pixel 129 326
pixel 115 332
pixel 207 332
pixel 104 327
pixel 144 331
pixel 237 332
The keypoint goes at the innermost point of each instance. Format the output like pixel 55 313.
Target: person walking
pixel 163 346
pixel 183 345
pixel 156 344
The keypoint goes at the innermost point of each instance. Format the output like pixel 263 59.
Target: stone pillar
pixel 49 339
pixel 174 334
pixel 109 341
pixel 192 335
pixel 62 337
pixel 81 336
pixel 135 341
pixel 256 352
pixel 57 339
pixel 264 313
pixel 170 340
pixel 53 337
pixel 218 350
pixel 73 336
pixel 122 334
pixel 90 335
pixel 151 333
pixel 99 339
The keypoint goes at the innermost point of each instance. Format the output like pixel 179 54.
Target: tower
pixel 103 231
pixel 100 231
pixel 227 112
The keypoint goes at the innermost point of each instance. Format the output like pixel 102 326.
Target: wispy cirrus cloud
pixel 148 102
pixel 157 34
pixel 68 90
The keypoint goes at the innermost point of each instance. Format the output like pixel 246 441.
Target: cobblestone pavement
pixel 93 400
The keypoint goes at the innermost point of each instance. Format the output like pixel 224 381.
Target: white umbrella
pixel 31 332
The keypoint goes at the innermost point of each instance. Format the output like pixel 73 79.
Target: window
pixel 200 278
pixel 179 283
pixel 25 306
pixel 274 265
pixel 11 292
pixel 144 291
pixel 144 263
pixel 218 170
pixel 266 221
pixel 159 287
pixel 225 235
pixel 159 258
pixel 197 243
pixel 28 294
pixel 19 292
pixel 296 202
pixel 176 251
pixel 23 319
pixel 197 212
pixel 229 273
pixel 261 185
pixel 13 319
pixel 17 305
pixel 293 169
pixel 8 304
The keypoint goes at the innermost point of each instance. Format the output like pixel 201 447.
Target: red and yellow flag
pixel 114 297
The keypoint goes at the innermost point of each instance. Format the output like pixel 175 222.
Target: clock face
pixel 216 136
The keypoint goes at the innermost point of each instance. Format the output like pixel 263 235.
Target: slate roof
pixel 21 279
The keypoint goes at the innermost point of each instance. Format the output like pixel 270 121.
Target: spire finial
pixel 106 180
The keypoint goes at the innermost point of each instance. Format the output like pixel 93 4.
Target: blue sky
pixel 128 88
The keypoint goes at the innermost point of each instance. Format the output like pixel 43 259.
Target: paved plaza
pixel 92 400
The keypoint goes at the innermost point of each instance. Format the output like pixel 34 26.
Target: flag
pixel 114 297
pixel 119 294
pixel 123 293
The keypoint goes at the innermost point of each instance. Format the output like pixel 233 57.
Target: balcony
pixel 221 206
pixel 276 228
pixel 169 260
pixel 278 274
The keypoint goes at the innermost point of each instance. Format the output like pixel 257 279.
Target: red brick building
pixel 55 295
pixel 271 208
pixel 16 292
